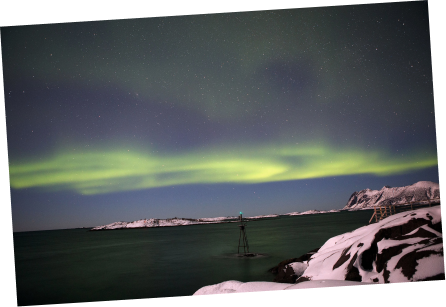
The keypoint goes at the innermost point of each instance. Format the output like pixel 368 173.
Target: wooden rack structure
pixel 383 211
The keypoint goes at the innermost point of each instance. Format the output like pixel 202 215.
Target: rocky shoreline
pixel 285 273
pixel 405 247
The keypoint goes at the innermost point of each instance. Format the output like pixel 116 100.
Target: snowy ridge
pixel 261 217
pixel 420 191
pixel 312 212
pixel 148 223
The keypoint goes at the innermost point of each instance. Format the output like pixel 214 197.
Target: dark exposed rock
pixel 408 262
pixel 282 265
pixel 286 276
pixel 304 257
pixel 395 247
pixel 395 233
pixel 387 254
pixel 386 274
pixel 420 233
pixel 369 256
pixel 285 273
pixel 389 251
pixel 352 271
pixel 344 257
pixel 353 198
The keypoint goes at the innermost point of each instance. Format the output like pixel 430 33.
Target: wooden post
pixel 372 217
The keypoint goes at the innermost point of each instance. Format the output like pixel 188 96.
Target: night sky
pixel 208 115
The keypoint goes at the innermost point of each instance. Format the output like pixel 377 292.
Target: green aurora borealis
pixel 206 115
pixel 97 172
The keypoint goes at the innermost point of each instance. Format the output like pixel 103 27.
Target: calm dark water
pixel 66 266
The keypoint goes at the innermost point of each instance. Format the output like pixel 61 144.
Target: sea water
pixel 77 265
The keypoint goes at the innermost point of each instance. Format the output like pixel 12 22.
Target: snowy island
pixel 148 223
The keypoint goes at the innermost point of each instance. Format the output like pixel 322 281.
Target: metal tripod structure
pixel 243 239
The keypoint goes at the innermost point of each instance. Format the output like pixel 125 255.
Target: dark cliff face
pixel 359 199
pixel 353 199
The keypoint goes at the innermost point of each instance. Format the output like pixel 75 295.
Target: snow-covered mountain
pixel 420 191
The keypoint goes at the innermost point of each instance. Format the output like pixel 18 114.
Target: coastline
pixel 404 247
pixel 154 223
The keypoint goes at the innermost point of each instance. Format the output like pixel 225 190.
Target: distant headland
pixel 362 200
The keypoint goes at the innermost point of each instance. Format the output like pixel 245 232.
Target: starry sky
pixel 207 115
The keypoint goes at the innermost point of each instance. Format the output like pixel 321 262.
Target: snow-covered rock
pixel 289 270
pixel 407 246
pixel 420 191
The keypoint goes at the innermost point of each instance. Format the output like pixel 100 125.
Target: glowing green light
pixel 108 170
